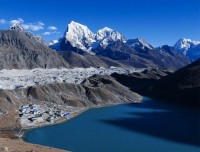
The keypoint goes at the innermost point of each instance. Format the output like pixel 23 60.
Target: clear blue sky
pixel 157 21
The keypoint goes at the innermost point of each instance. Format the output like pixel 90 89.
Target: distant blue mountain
pixel 189 48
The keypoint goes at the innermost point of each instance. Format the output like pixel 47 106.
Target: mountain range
pixel 80 47
pixel 109 43
pixel 78 36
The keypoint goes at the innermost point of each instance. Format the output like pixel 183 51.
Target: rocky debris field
pixel 15 78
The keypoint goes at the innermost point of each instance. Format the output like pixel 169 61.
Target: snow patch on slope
pixel 139 42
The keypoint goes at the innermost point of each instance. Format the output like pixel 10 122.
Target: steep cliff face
pixel 18 51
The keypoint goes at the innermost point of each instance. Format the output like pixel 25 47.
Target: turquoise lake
pixel 151 126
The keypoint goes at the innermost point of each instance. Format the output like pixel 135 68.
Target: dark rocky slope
pixel 86 60
pixel 96 90
pixel 18 51
pixel 120 52
pixel 164 57
pixel 182 87
pixel 141 82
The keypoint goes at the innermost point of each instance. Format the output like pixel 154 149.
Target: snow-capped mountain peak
pixel 184 44
pixel 53 42
pixel 188 47
pixel 139 42
pixel 79 36
pixel 102 33
pixel 17 27
pixel 107 35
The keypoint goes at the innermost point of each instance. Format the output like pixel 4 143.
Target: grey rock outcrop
pixel 18 51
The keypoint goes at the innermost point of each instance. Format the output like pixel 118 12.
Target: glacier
pixel 23 78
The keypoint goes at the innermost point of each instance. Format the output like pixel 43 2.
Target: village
pixel 32 115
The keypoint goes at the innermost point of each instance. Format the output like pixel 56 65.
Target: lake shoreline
pixel 63 120
pixel 129 123
pixel 9 133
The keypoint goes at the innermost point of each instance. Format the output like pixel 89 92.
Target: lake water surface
pixel 151 126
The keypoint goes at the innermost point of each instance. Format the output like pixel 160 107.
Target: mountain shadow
pixel 168 122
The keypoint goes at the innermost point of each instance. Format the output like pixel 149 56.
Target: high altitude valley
pixel 99 76
pixel 42 84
